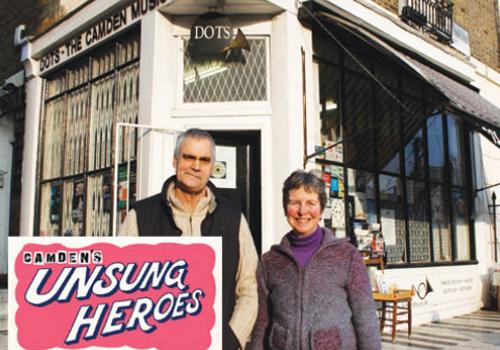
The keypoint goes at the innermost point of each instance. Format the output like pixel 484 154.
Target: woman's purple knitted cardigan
pixel 327 304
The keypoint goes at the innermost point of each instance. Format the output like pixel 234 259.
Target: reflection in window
pixel 456 151
pixel 435 147
pixel 418 221
pixel 441 236
pixel 392 218
pixel 460 220
pixel 219 81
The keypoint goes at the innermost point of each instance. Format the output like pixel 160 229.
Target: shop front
pixel 396 150
pixel 109 88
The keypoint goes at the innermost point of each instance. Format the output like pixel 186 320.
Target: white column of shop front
pixel 287 39
pixel 33 90
pixel 156 100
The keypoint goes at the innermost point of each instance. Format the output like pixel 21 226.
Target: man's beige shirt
pixel 245 309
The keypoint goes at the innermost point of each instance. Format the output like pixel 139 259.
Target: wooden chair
pixel 391 302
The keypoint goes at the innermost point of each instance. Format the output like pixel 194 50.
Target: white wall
pixel 6 137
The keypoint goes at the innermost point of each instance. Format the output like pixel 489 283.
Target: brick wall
pixel 480 19
pixel 36 15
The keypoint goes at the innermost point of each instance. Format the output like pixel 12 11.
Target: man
pixel 188 206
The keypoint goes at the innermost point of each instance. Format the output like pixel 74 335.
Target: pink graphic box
pixel 140 293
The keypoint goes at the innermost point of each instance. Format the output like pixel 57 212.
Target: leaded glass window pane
pixel 220 81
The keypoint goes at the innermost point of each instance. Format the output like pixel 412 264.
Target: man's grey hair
pixel 310 182
pixel 196 134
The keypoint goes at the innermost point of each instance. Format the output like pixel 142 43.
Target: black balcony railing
pixel 433 16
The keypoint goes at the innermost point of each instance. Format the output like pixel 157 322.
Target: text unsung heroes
pixel 80 283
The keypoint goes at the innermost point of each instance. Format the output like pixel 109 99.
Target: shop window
pixel 460 223
pixel 244 79
pixel 392 218
pixel 440 211
pixel 418 221
pixel 435 148
pixel 326 50
pixel 83 101
pixel 456 151
pixel 416 189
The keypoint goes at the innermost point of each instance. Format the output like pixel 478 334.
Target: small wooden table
pixel 393 299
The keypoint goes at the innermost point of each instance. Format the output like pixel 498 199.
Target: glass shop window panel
pixel 387 74
pixel 435 147
pixel 388 136
pixel 50 209
pixel 412 86
pixel 331 117
pixel 53 138
pixel 325 48
pixel 334 213
pixel 418 221
pixel 362 205
pixel 441 235
pixel 460 222
pixel 77 140
pixel 392 218
pixel 218 81
pixel 413 135
pixel 76 132
pixel 456 151
pixel 358 112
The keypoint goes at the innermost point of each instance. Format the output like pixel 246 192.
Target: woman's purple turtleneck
pixel 304 248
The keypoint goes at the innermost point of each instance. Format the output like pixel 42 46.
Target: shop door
pixel 237 174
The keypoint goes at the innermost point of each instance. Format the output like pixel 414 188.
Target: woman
pixel 314 291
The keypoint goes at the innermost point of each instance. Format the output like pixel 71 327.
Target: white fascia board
pixel 389 30
pixel 70 26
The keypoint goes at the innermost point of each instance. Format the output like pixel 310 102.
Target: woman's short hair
pixel 308 180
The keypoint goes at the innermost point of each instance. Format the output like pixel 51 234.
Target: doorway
pixel 237 174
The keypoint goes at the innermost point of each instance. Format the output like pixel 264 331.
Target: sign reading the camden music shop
pixel 115 292
pixel 103 29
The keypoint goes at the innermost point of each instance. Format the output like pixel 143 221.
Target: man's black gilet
pixel 154 218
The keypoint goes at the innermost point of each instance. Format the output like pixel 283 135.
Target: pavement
pixel 478 330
